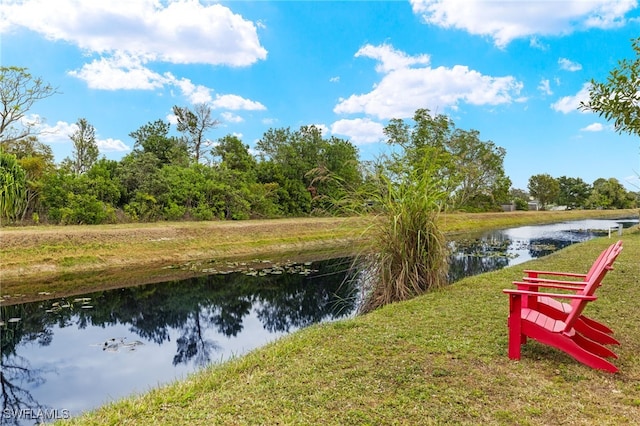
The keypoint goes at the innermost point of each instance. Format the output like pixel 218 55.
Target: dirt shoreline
pixel 38 263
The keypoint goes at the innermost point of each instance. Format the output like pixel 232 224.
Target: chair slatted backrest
pixel 578 305
pixel 602 258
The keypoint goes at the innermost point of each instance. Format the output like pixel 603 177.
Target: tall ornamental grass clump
pixel 407 253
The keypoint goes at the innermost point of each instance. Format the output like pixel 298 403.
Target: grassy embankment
pixel 65 260
pixel 437 359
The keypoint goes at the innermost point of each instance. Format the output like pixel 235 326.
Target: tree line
pixel 185 176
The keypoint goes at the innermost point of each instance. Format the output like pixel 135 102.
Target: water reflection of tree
pixel 16 373
pixel 298 301
pixel 539 247
pixel 478 255
pixel 192 344
pixel 194 306
pixel 461 265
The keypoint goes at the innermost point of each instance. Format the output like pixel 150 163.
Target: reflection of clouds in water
pixel 565 230
pixel 518 245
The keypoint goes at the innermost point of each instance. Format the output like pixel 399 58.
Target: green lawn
pixel 438 359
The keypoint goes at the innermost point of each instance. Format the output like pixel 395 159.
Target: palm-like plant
pixel 13 185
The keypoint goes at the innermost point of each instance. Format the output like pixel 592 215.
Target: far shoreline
pixel 44 262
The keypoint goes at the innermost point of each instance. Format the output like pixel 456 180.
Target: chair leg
pixel 516 338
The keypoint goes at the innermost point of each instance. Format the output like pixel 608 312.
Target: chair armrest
pixel 560 285
pixel 576 284
pixel 532 273
pixel 554 295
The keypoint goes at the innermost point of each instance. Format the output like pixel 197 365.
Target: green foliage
pixel 84 209
pixel 544 188
pixel 36 158
pixel 471 171
pixel 13 186
pixel 143 207
pixel 72 199
pixel 306 167
pixel 521 204
pixel 609 194
pixel 618 98
pixel 153 138
pixel 573 193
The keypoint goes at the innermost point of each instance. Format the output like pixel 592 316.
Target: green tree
pixel 194 124
pixel 141 185
pixel 574 192
pixel 19 90
pixel 13 184
pixel 305 166
pixel 470 170
pixel 544 188
pixel 85 148
pixel 238 170
pixel 234 155
pixel 153 138
pixel 609 194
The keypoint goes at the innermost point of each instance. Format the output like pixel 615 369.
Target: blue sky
pixel 513 70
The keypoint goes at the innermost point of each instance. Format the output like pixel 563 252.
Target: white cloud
pixel 230 117
pixel 112 145
pixel 537 44
pixel 569 65
pixel 178 31
pixel 61 132
pixel 390 59
pixel 569 104
pixel 58 133
pixel 196 94
pixel 545 87
pixel 594 127
pixel 360 131
pixel 120 72
pixel 505 21
pixel 402 89
pixel 235 102
pixel 335 79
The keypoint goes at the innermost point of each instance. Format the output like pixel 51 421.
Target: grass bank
pixel 437 359
pixel 46 261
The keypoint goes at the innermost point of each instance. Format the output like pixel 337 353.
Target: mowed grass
pixel 437 359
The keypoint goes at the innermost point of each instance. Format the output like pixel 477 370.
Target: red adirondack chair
pixel 560 310
pixel 527 321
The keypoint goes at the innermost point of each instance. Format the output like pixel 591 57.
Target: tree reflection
pixel 195 307
pixel 193 345
pixel 539 247
pixel 17 376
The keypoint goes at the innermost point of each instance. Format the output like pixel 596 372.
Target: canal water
pixel 64 356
